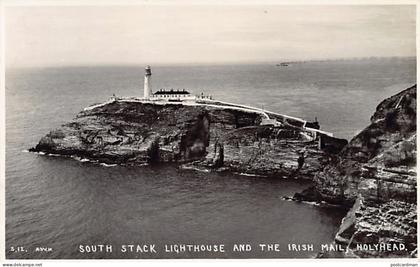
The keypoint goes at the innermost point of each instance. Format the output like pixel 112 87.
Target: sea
pixel 58 208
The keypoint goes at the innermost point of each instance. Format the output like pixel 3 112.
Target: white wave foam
pixel 312 203
pixel 81 159
pixel 108 165
pixel 249 174
pixel 195 169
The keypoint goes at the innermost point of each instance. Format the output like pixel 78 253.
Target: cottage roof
pixel 172 92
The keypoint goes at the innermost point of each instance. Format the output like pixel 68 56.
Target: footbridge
pixel 273 117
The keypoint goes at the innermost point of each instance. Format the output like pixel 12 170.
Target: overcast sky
pixel 51 36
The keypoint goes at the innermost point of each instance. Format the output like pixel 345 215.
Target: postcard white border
pixel 181 262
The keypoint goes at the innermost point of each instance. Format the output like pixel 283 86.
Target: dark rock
pixel 310 194
pixel 331 145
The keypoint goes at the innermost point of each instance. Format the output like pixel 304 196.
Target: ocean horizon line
pixel 204 64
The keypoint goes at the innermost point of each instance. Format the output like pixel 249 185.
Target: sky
pixel 203 34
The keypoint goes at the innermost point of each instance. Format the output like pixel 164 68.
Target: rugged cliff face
pixel 377 171
pixel 130 132
pixel 222 138
pixel 133 132
pixel 266 150
pixel 379 163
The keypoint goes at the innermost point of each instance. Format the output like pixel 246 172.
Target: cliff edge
pixel 375 174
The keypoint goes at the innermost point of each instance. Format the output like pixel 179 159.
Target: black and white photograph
pixel 200 130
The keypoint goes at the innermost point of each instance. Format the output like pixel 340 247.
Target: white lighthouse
pixel 147 82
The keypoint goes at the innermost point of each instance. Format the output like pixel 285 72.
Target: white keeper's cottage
pixel 168 95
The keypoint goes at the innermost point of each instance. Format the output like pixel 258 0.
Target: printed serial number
pixel 18 249
pixel 36 249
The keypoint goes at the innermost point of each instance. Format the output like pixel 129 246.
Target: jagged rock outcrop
pixel 266 150
pixel 387 229
pixel 380 161
pixel 376 175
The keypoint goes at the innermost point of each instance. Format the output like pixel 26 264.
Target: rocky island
pixel 198 136
pixel 373 175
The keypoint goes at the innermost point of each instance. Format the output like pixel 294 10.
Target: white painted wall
pixel 147 86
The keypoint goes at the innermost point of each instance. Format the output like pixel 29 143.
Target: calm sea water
pixel 62 203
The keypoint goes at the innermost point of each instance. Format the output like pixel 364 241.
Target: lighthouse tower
pixel 147 82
